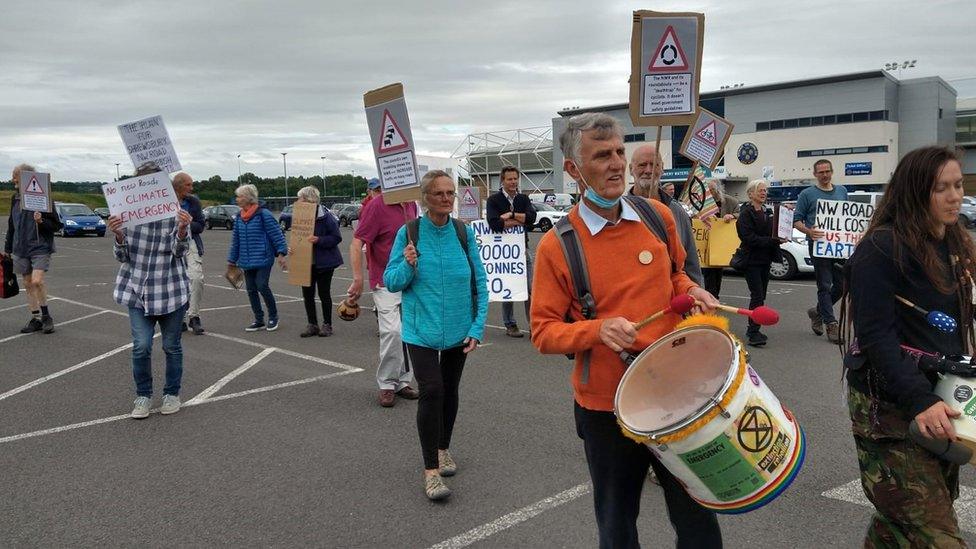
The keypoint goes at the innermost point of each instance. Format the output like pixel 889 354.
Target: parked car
pixel 79 219
pixel 220 216
pixel 102 212
pixel 796 258
pixel 284 218
pixel 967 212
pixel 347 214
pixel 546 216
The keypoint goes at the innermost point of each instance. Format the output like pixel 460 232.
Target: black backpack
pixel 576 261
pixel 413 235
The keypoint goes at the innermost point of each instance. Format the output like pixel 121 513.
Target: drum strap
pixel 576 261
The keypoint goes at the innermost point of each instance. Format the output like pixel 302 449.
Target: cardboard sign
pixel 393 146
pixel 503 255
pixel 148 141
pixel 716 243
pixel 666 55
pixel 784 222
pixel 469 204
pixel 706 138
pixel 35 192
pixel 142 199
pixel 300 255
pixel 843 223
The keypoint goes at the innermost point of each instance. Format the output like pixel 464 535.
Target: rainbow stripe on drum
pixel 770 492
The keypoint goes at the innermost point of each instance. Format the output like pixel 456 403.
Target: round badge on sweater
pixel 645 257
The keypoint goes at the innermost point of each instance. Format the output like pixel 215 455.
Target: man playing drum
pixel 632 273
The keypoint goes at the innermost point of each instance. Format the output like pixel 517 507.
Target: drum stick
pixel 680 304
pixel 762 315
pixel 936 319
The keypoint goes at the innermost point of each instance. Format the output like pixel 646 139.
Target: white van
pixel 553 199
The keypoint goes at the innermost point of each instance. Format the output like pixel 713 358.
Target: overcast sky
pixel 258 78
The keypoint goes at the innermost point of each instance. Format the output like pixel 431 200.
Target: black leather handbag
pixel 10 287
pixel 739 259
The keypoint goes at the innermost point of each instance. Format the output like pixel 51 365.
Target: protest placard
pixel 393 146
pixel 503 255
pixel 148 141
pixel 705 139
pixel 715 244
pixel 141 199
pixel 469 204
pixel 843 223
pixel 35 192
pixel 784 221
pixel 300 249
pixel 666 55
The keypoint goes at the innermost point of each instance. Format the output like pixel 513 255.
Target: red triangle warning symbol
pixel 391 138
pixel 707 134
pixel 669 56
pixel 33 187
pixel 468 199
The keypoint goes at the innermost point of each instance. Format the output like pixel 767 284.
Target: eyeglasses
pixel 443 194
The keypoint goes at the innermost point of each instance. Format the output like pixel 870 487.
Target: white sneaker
pixel 140 408
pixel 171 405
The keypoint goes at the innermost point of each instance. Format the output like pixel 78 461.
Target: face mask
pixel 590 195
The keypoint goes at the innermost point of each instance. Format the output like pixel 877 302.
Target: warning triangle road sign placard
pixel 707 134
pixel 33 187
pixel 391 138
pixel 669 56
pixel 468 198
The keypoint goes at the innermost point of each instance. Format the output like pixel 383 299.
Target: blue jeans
pixel 508 310
pixel 830 284
pixel 142 340
pixel 256 281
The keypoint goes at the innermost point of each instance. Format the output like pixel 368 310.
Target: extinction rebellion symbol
pixel 755 429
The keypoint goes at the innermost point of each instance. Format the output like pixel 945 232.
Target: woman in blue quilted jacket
pixel 256 241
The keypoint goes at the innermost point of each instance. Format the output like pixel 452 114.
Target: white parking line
pixel 310 358
pixel 283 296
pixel 96 307
pixel 514 518
pixel 66 322
pixel 16 307
pixel 965 506
pixel 209 391
pixel 208 309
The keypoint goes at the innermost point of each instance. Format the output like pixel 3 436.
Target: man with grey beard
pixel 646 169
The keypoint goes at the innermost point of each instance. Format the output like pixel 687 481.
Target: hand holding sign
pixel 410 255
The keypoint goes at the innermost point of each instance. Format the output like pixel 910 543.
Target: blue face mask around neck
pixel 604 203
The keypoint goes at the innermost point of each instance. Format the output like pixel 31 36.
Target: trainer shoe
pixel 310 331
pixel 255 326
pixel 435 488
pixel 33 325
pixel 326 330
pixel 816 322
pixel 755 340
pixel 47 324
pixel 513 331
pixel 447 466
pixel 196 326
pixel 272 325
pixel 387 398
pixel 833 332
pixel 171 405
pixel 140 408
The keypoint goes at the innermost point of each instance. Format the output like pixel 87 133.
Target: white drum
pixel 959 393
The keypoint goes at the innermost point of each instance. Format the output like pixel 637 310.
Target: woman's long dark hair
pixel 904 212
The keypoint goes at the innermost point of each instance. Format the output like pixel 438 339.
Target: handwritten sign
pixel 784 222
pixel 148 141
pixel 843 223
pixel 300 256
pixel 143 199
pixel 35 191
pixel 715 244
pixel 504 257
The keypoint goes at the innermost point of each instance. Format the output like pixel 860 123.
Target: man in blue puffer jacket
pixel 256 241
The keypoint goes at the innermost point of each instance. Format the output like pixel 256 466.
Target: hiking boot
pixel 325 330
pixel 513 331
pixel 196 326
pixel 408 393
pixel 816 322
pixel 33 325
pixel 272 325
pixel 448 468
pixel 310 331
pixel 833 332
pixel 140 408
pixel 171 405
pixel 255 326
pixel 435 488
pixel 47 324
pixel 387 398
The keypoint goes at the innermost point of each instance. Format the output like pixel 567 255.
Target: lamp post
pixel 354 185
pixel 285 165
pixel 117 174
pixel 323 176
pixel 240 176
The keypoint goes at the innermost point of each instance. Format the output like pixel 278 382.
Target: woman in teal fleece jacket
pixel 442 321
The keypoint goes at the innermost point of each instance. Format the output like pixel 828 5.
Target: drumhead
pixel 676 380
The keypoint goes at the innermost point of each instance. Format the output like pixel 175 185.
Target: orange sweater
pixel 621 286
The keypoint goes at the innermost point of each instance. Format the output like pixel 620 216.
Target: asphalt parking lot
pixel 281 441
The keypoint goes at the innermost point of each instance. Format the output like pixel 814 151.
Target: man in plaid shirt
pixel 154 285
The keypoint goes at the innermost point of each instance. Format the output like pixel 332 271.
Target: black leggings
pixel 757 277
pixel 323 279
pixel 438 374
